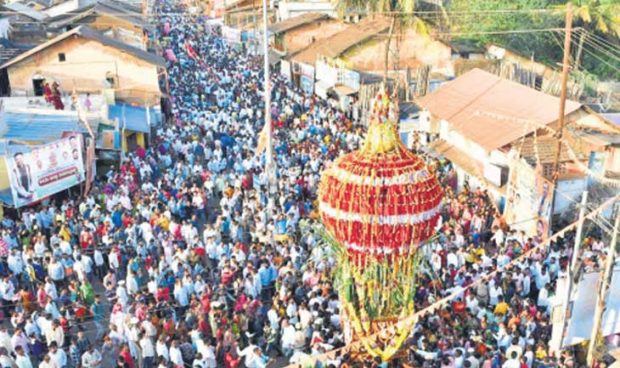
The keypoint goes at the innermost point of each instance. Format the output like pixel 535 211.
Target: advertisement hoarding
pixel 231 35
pixel 528 207
pixel 36 172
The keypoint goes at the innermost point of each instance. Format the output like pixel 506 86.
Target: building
pixel 131 73
pixel 107 17
pixel 291 9
pixel 499 135
pixel 335 46
pixel 297 33
pixel 22 24
pixel 361 47
pixel 8 51
pixel 242 13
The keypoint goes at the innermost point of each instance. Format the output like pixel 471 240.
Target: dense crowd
pixel 178 258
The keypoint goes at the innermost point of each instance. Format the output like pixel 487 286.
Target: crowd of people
pixel 186 255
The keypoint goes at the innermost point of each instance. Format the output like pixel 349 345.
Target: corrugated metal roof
pixel 9 50
pixel 492 111
pixel 336 45
pixel 37 128
pixel 134 118
pixel 613 117
pixel 25 10
pixel 91 34
pixel 295 22
pixel 98 8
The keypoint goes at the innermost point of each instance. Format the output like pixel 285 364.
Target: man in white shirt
pixel 5 359
pixel 175 354
pixel 248 354
pixel 513 362
pixel 92 358
pixel 58 355
pixel 288 338
pixel 55 335
pixel 22 360
pixel 148 351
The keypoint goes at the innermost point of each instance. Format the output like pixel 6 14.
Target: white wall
pixel 289 9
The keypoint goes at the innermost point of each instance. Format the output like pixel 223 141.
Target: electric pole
pixel 270 165
pixel 565 68
pixel 571 272
pixel 602 291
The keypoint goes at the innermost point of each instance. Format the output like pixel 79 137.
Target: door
pixel 37 86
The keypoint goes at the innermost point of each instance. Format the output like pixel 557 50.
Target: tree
pixel 601 16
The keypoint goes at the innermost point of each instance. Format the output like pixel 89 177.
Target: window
pixel 62 57
pixel 110 80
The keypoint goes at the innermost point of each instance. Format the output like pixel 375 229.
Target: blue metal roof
pixel 130 117
pixel 614 117
pixel 37 127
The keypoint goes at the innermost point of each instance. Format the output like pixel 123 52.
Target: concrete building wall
pixel 87 65
pixel 414 51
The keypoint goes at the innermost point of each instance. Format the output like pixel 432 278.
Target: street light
pixel 270 164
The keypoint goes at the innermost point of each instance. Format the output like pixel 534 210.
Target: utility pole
pixel 577 245
pixel 270 165
pixel 571 271
pixel 565 68
pixel 602 291
pixel 90 150
pixel 255 20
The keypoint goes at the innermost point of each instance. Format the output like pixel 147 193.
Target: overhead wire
pixel 576 43
pixel 484 278
pixel 588 41
pixel 599 40
pixel 348 12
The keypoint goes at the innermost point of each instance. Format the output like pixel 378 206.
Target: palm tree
pixel 602 16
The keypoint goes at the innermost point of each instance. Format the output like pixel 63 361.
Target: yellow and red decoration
pixel 378 204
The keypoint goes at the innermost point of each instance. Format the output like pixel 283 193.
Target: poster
pixel 528 206
pixel 306 70
pixel 326 73
pixel 596 164
pixel 306 84
pixel 36 172
pixel 285 70
pixel 231 35
pixel 350 79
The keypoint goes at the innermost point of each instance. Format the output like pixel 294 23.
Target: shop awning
pixel 343 90
pixel 131 117
pixel 584 305
pixel 321 88
pixel 39 128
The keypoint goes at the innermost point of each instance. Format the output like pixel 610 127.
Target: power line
pixel 575 42
pixel 516 31
pixel 601 43
pixel 348 12
pixel 484 278
pixel 587 40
